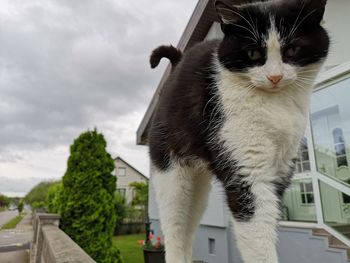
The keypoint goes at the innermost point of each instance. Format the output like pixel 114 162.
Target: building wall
pixel 130 176
pixel 337 21
pixel 215 215
pixel 295 245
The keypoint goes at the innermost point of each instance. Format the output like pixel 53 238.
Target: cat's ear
pixel 314 10
pixel 227 14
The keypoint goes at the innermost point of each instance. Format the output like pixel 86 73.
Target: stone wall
pixel 52 245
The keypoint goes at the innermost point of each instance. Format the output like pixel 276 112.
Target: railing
pixel 52 245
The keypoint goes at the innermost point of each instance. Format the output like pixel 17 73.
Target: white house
pixel 316 226
pixel 127 174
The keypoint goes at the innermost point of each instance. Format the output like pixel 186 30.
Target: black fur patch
pixel 187 111
pixel 240 199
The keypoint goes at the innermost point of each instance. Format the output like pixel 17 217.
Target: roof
pixel 196 30
pixel 132 167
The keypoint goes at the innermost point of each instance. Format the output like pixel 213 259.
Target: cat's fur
pixel 236 109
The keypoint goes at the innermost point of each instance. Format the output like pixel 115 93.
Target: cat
pixel 236 109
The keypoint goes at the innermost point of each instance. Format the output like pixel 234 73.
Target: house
pixel 127 174
pixel 316 210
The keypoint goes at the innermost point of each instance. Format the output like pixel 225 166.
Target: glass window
pixel 330 123
pixel 307 193
pixel 298 202
pixel 211 244
pixel 336 208
pixel 121 171
pixel 302 163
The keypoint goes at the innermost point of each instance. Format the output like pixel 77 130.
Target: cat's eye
pixel 291 52
pixel 254 55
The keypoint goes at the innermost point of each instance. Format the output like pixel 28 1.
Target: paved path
pixel 15 243
pixel 7 216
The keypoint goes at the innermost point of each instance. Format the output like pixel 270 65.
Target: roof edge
pixel 141 136
pixel 132 167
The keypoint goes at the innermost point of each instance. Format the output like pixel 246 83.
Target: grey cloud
pixel 69 65
pixel 18 185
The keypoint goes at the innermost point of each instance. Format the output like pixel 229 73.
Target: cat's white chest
pixel 271 126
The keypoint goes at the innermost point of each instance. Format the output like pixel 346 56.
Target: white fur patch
pixel 182 196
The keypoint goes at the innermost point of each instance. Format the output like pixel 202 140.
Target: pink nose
pixel 275 79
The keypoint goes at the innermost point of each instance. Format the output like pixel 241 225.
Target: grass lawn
pixel 13 222
pixel 129 247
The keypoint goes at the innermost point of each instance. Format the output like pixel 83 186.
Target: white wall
pixel 215 215
pixel 337 22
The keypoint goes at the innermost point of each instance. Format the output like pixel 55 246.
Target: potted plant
pixel 153 250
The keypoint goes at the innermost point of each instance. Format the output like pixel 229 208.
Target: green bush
pixel 37 205
pixel 120 209
pixel 87 198
pixel 54 198
pixel 141 193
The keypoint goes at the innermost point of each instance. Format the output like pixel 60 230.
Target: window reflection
pixel 339 146
pixel 302 163
pixel 330 122
pixel 298 202
pixel 336 208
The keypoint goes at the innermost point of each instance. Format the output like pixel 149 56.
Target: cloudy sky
pixel 68 66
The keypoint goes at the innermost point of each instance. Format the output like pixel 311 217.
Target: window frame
pixel 121 169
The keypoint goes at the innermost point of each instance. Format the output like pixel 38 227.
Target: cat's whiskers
pixel 245 19
pixel 254 25
pixel 296 21
pixel 243 27
pixel 300 23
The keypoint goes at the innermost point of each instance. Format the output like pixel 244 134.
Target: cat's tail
pixel 169 52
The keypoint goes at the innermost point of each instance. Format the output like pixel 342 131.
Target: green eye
pixel 254 54
pixel 291 52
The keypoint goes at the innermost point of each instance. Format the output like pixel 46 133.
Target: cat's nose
pixel 275 78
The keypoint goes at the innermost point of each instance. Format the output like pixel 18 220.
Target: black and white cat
pixel 236 109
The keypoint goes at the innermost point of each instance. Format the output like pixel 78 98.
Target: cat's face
pixel 275 44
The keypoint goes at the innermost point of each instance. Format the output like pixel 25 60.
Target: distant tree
pixel 4 201
pixel 87 198
pixel 54 198
pixel 141 193
pixel 20 207
pixel 37 196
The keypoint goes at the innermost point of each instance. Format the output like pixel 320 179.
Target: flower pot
pixel 154 256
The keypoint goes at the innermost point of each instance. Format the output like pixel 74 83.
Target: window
pixel 122 191
pixel 121 171
pixel 330 125
pixel 211 245
pixel 307 193
pixel 302 163
pixel 346 198
pixel 339 147
pixel 298 203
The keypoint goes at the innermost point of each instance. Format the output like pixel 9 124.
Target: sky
pixel 69 66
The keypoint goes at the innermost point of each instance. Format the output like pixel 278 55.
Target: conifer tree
pixel 87 197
